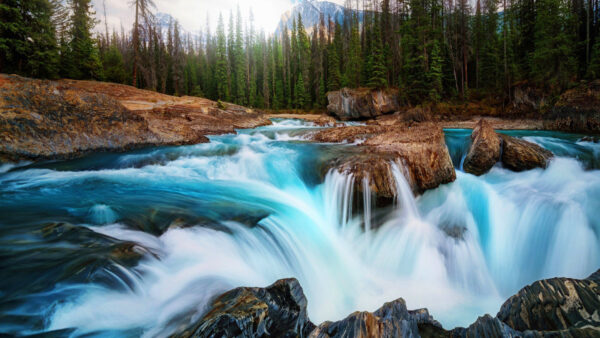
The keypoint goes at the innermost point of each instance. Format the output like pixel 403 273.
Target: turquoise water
pixel 138 243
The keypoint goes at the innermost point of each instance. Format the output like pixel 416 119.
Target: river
pixel 138 243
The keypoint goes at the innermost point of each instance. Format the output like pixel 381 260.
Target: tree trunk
pixel 135 43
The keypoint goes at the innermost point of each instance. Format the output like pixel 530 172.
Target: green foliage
pixel 221 72
pixel 378 71
pixel 553 61
pixel 27 39
pixel 431 49
pixel 114 69
pixel 82 48
pixel 300 91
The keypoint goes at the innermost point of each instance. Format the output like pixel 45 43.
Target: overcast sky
pixel 192 14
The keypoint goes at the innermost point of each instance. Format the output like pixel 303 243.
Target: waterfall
pixel 405 199
pixel 247 209
pixel 367 203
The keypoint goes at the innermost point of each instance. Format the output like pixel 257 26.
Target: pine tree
pixel 353 65
pixel 114 69
pixel 435 74
pixel 239 73
pixel 378 74
pixel 27 38
pixel 300 93
pixel 593 71
pixel 553 61
pixel 84 51
pixel 221 73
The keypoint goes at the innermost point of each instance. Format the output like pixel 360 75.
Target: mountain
pixel 310 11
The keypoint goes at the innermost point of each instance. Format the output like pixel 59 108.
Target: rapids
pixel 138 243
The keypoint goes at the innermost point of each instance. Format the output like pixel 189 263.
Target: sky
pixel 192 14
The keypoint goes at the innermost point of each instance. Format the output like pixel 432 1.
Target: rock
pixel 486 326
pixel 362 103
pixel 391 320
pixel 488 147
pixel 275 311
pixel 577 110
pixel 555 304
pixel 484 151
pixel 63 119
pixel 420 153
pixel 520 155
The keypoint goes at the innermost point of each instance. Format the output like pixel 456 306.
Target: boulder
pixel 420 152
pixel 362 103
pixel 275 311
pixel 391 320
pixel 520 155
pixel 484 151
pixel 487 148
pixel 554 305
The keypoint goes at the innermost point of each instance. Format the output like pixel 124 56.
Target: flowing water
pixel 138 243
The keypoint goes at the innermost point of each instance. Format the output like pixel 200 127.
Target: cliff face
pixel 62 119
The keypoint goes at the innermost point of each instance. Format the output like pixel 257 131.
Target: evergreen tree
pixel 300 93
pixel 27 38
pixel 553 61
pixel 114 69
pixel 82 47
pixel 221 73
pixel 334 79
pixel 378 74
pixel 239 72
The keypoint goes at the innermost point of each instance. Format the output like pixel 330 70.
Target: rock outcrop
pixel 275 311
pixel 577 110
pixel 420 152
pixel 362 103
pixel 62 119
pixel 392 320
pixel 555 304
pixel 484 151
pixel 557 307
pixel 487 148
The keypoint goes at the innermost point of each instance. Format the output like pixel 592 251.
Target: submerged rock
pixel 275 311
pixel 520 155
pixel 488 147
pixel 554 305
pixel 484 151
pixel 362 103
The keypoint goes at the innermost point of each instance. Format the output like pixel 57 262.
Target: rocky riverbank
pixel 64 119
pixel 557 307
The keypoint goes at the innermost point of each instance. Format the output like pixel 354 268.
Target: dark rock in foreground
pixel 554 305
pixel 275 311
pixel 391 320
pixel 557 307
pixel 362 103
pixel 487 148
